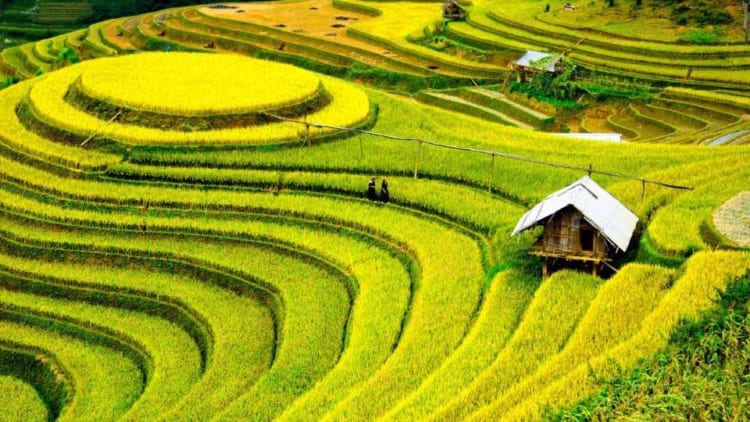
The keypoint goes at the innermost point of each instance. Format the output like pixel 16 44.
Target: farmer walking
pixel 385 195
pixel 371 194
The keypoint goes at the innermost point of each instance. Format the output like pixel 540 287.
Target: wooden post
pixel 492 174
pixel 307 131
pixel 416 160
pixel 93 134
pixel 591 169
pixel 545 270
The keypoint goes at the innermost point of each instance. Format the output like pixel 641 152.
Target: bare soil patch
pixel 314 18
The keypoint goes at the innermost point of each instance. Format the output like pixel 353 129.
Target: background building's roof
pixel 532 57
pixel 605 137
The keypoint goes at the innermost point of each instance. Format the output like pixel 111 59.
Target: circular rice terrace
pixel 188 99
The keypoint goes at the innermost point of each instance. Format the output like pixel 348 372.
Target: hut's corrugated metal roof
pixel 602 210
pixel 535 56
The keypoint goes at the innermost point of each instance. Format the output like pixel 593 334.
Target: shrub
pixel 702 36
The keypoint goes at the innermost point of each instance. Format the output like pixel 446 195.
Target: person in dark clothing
pixel 371 193
pixel 385 195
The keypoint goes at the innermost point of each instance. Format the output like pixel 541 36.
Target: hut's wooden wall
pixel 567 233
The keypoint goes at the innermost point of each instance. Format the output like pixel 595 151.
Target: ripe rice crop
pixel 241 328
pixel 612 317
pixel 555 310
pixel 737 100
pixel 349 107
pixel 419 236
pixel 706 273
pixel 311 298
pixel 17 136
pixel 678 227
pixel 196 84
pixel 509 295
pixel 291 296
pixel 173 355
pixel 476 208
pixel 106 383
pixel 377 291
pixel 524 182
pixel 20 401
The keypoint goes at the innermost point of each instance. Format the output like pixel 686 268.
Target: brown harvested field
pixel 313 18
pixel 113 34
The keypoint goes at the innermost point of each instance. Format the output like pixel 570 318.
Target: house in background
pixel 453 11
pixel 533 62
pixel 582 223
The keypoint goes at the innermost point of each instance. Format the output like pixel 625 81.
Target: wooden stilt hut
pixel 533 62
pixel 582 222
pixel 453 11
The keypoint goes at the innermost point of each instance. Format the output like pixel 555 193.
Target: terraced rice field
pixel 185 235
pixel 521 25
pixel 369 42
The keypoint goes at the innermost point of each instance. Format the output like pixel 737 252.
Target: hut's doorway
pixel 587 239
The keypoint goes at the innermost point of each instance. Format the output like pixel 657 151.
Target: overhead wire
pixel 590 170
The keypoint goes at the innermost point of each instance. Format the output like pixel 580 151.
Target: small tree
pixel 8 81
pixel 428 37
pixel 66 56
pixel 560 87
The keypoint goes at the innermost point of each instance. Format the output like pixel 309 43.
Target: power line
pixel 590 170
